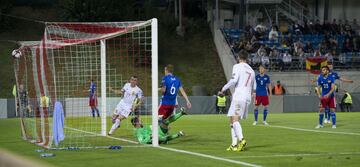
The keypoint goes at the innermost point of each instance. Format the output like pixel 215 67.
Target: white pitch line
pixel 312 130
pixel 294 155
pixel 209 156
pixel 177 150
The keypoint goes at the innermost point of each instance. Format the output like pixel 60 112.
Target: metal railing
pixel 295 10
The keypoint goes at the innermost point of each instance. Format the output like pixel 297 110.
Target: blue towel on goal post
pixel 58 123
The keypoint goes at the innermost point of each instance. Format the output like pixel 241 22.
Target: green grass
pixel 210 134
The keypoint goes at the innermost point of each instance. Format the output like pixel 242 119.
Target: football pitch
pixel 290 140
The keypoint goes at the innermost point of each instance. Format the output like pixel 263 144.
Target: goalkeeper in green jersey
pixel 144 133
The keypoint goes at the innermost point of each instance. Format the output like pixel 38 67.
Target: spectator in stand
pixel 257 57
pixel 248 47
pixel 297 28
pixel 265 60
pixel 333 44
pixel 262 55
pixel 340 27
pixel 241 46
pixel 356 44
pixel 326 27
pixel 306 28
pixel 248 28
pixel 317 53
pixel 330 56
pixel 299 54
pixel 260 28
pixel 323 47
pixel 278 89
pixel 334 27
pixel 311 27
pixel 274 56
pixel 318 27
pixel 289 40
pixel 254 39
pixel 348 46
pixel 347 26
pixel 308 48
pixel 355 27
pixel 261 51
pixel 273 34
pixel 298 45
pixel 284 43
pixel 287 59
pixel 348 35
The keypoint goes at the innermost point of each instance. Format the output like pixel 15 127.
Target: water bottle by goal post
pixel 47 155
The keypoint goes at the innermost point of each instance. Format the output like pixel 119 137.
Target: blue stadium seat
pixel 307 37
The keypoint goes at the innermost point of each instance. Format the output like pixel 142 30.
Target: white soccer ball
pixel 16 53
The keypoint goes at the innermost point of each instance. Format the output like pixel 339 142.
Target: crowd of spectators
pixel 286 47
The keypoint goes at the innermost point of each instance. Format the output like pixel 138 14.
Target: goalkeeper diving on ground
pixel 143 133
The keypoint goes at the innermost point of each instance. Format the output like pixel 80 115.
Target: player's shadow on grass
pixel 14 141
pixel 329 125
pixel 194 140
pixel 254 147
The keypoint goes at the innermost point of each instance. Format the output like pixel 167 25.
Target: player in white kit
pixel 132 97
pixel 243 78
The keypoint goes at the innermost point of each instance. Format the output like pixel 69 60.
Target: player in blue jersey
pixel 335 76
pixel 93 99
pixel 326 84
pixel 170 85
pixel 263 94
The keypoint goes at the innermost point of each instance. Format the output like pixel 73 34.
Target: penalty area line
pixel 312 130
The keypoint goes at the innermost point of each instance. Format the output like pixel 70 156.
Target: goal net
pixel 68 84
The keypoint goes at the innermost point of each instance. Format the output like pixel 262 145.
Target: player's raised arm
pixel 183 93
pixel 121 91
pixel 343 79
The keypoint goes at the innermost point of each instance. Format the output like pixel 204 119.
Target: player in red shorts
pixel 327 99
pixel 93 103
pixel 263 94
pixel 170 86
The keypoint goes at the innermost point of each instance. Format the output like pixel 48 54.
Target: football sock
pixel 233 136
pixel 238 130
pixel 265 113
pixel 97 111
pixel 93 112
pixel 321 117
pixel 256 113
pixel 327 113
pixel 333 118
pixel 173 118
pixel 115 126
